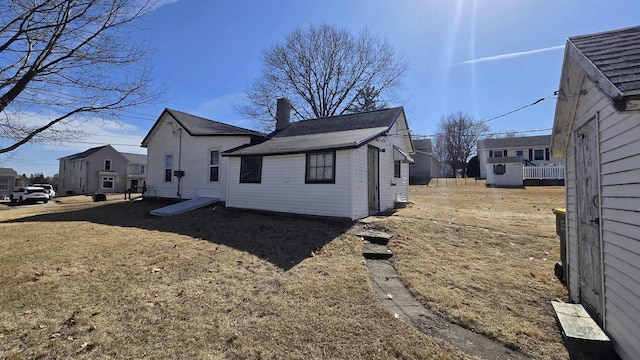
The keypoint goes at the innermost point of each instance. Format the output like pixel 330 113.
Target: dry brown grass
pixel 484 258
pixel 106 280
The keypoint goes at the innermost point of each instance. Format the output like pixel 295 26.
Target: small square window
pixel 497 153
pixel 538 154
pixel 320 167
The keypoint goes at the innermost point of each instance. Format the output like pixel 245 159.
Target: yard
pixel 99 280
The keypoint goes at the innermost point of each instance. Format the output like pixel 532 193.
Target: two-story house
pixel 101 170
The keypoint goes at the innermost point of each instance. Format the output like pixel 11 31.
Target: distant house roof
pixel 336 132
pixel 422 145
pixel 135 158
pixel 6 172
pixel 515 142
pixel 616 54
pixel 199 126
pixel 85 154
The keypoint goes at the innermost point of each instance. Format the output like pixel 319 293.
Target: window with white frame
pixel 397 166
pixel 321 167
pixel 168 167
pixel 214 165
pixel 498 153
pixel 520 153
pixel 142 169
pixel 107 165
pixel 538 154
pixel 4 184
pixel 108 182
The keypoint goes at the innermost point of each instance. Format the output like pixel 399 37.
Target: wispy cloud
pixel 510 55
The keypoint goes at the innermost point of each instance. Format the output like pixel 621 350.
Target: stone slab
pixel 376 251
pixel 184 206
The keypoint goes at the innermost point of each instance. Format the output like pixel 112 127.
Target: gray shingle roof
pixel 365 120
pixel 84 154
pixel 522 142
pixel 336 132
pixel 614 53
pixel 135 158
pixel 8 172
pixel 199 126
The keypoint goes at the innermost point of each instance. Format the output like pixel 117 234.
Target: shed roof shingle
pixel 616 54
pixel 85 154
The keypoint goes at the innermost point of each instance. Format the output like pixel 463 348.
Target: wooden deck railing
pixel 543 172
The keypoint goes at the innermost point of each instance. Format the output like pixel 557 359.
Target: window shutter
pixel 504 153
pixel 530 154
pixel 546 155
pixel 490 153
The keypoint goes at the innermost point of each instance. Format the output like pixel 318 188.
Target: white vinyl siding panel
pixel 360 183
pixel 283 187
pixel 620 210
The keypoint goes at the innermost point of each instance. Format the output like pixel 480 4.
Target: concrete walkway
pixel 397 299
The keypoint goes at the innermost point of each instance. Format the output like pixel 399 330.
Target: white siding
pixel 512 176
pixel 620 211
pixel 194 161
pixel 283 187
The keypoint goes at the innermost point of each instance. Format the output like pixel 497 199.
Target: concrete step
pixel 376 237
pixel 376 251
pixel 583 338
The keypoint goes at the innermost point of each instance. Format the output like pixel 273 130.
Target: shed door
pixel 588 214
pixel 373 180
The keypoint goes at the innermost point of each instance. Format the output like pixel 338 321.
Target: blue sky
pixel 483 58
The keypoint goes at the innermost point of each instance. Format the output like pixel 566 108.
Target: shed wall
pixel 619 150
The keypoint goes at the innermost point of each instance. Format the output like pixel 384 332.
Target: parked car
pixel 29 194
pixel 48 188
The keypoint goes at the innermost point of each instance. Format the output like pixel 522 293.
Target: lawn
pixel 484 258
pixel 106 280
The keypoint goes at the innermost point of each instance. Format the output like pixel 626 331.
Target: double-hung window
pixel 107 165
pixel 396 168
pixel 168 167
pixel 321 167
pixel 214 165
pixel 107 182
pixel 538 154
pixel 251 169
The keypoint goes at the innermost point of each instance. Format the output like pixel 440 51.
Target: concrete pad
pixel 583 338
pixel 184 206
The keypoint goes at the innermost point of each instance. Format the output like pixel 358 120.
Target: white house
pixel 7 181
pixel 102 169
pixel 346 166
pixel 184 155
pixel 597 130
pixel 518 161
pixel 427 164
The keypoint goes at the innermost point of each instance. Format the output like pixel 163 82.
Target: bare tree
pixel 66 60
pixel 323 70
pixel 460 134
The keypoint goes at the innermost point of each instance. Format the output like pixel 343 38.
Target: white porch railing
pixel 543 172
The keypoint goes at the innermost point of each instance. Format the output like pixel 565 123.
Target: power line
pixel 555 93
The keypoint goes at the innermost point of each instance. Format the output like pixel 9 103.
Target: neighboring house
pixel 518 161
pixel 7 181
pixel 427 164
pixel 136 171
pixel 102 170
pixel 184 155
pixel 347 166
pixel 597 130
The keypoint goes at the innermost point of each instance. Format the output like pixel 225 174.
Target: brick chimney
pixel 283 114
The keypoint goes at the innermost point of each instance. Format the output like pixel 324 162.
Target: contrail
pixel 509 56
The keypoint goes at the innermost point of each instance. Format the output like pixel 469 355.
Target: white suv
pixel 29 193
pixel 48 188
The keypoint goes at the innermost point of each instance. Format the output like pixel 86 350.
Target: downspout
pixel 179 160
pixel 601 244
